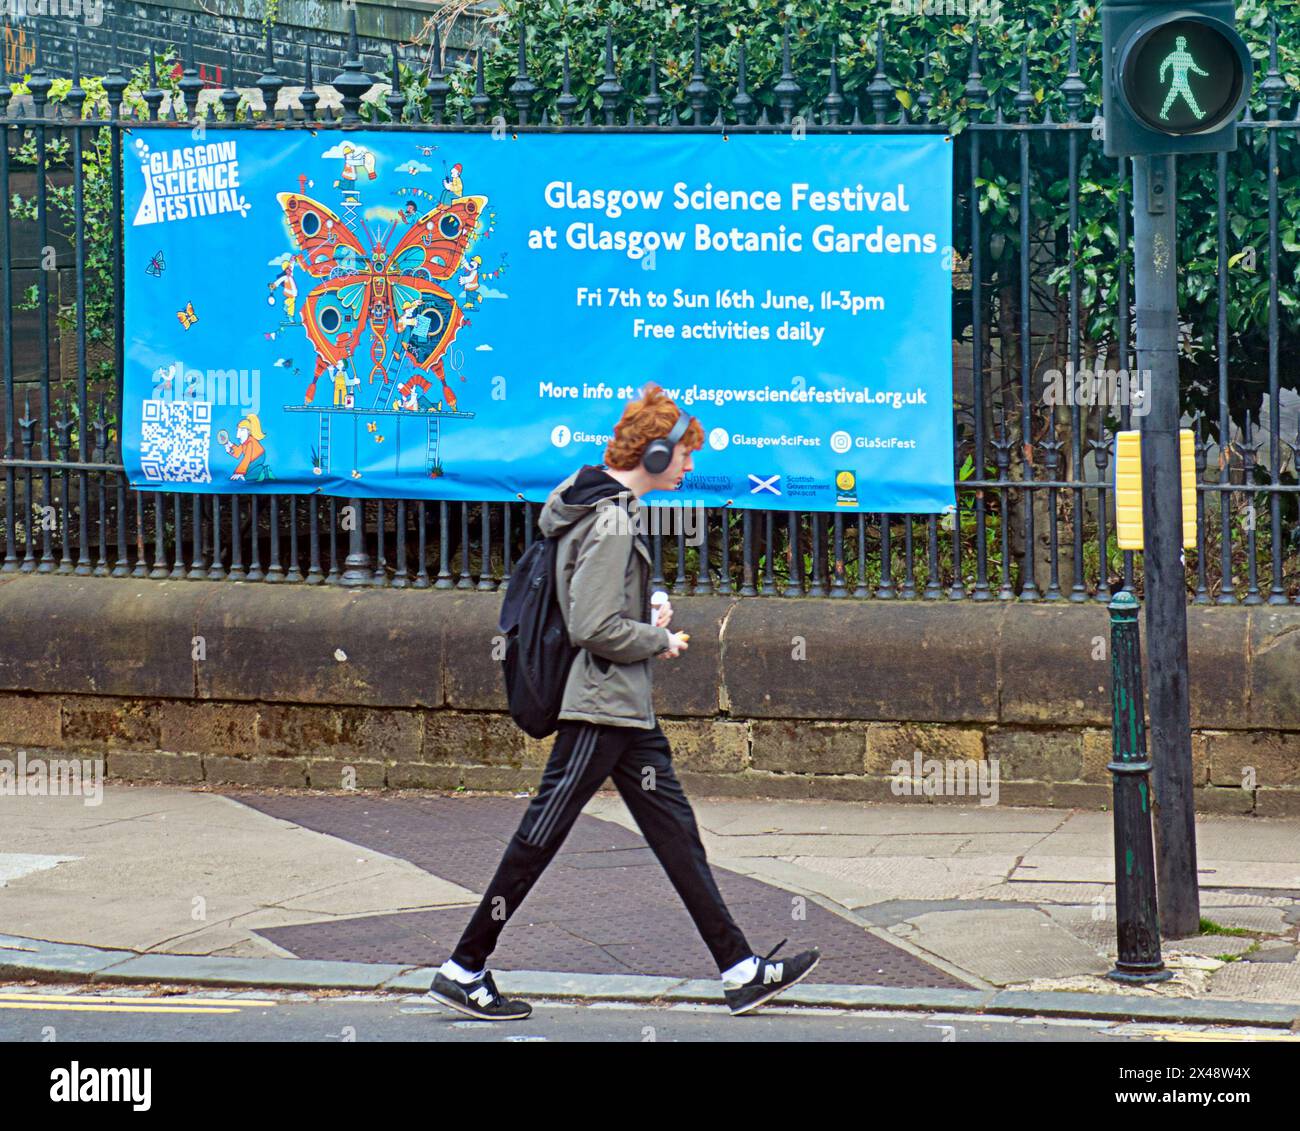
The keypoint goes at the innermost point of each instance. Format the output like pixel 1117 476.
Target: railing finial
pixel 1274 86
pixel 395 100
pixel 480 101
pixel 787 90
pixel 309 99
pixel 610 89
pixel 880 89
pixel 743 102
pixel 697 90
pixel 1073 87
pixel 436 86
pixel 352 82
pixel 269 83
pixel 976 91
pixel 523 88
pixel 653 102
pixel 567 99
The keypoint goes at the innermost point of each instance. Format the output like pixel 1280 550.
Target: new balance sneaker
pixel 479 999
pixel 771 979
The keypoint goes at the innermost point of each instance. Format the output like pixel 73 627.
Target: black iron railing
pixel 1035 509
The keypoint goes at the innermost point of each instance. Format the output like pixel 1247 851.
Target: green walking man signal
pixel 1175 78
pixel 1181 62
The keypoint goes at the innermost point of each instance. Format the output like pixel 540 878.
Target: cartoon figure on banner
pixel 342 384
pixel 468 280
pixel 471 278
pixel 285 280
pixel 409 319
pixel 250 449
pixel 355 157
pixel 411 210
pixel 451 184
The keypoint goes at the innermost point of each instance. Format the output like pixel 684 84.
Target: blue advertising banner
pixel 463 316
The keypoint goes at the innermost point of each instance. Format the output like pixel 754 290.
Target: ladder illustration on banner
pixel 351 202
pixel 431 452
pixel 389 391
pixel 324 459
pixel 388 386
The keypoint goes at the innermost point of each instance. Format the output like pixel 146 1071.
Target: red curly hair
pixel 649 418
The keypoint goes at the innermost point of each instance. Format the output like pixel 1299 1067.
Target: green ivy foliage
pixel 927 61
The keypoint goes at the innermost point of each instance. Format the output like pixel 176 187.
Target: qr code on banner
pixel 174 440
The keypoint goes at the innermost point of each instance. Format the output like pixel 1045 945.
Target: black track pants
pixel 584 755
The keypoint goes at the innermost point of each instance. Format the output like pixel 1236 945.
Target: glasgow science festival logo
pixel 180 184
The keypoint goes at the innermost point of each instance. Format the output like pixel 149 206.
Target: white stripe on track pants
pixel 640 762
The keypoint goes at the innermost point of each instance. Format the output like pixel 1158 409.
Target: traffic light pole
pixel 1156 283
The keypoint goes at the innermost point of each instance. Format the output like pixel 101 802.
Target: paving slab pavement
pixel 604 906
pixel 909 896
pixel 948 881
pixel 170 869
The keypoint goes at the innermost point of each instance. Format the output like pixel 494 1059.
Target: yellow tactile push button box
pixel 1128 488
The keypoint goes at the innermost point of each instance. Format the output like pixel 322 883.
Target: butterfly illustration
pixel 371 426
pixel 372 287
pixel 156 265
pixel 187 316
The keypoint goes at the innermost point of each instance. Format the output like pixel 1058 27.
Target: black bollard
pixel 1137 921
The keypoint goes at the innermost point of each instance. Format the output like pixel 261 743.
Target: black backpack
pixel 538 653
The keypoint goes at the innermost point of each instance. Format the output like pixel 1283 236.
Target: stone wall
pixel 194 682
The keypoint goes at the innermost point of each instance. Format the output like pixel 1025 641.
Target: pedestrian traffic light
pixel 1128 488
pixel 1176 77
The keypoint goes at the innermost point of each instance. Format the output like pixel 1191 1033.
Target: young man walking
pixel 607 721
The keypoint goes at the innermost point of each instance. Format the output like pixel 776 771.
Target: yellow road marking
pixel 1179 1035
pixel 179 1000
pixel 111 1008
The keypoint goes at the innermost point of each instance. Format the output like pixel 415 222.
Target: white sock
pixel 458 973
pixel 741 973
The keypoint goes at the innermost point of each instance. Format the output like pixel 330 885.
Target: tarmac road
pixel 123 1014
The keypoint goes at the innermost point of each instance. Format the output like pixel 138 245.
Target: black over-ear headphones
pixel 658 453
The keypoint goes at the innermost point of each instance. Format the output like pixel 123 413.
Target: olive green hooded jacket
pixel 602 585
